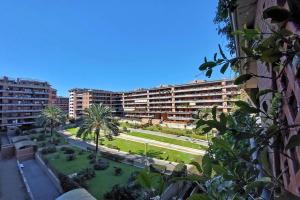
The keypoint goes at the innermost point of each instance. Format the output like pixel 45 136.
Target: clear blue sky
pixel 112 44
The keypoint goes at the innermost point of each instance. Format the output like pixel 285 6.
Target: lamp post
pixel 146 158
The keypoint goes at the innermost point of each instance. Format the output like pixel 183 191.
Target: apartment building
pixel 22 100
pixel 62 103
pixel 167 103
pixel 285 164
pixel 80 99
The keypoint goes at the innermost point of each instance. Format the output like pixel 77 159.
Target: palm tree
pixel 97 117
pixel 51 116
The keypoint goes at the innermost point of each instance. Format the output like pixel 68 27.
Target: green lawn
pixel 104 180
pixel 168 140
pixel 174 131
pixel 153 151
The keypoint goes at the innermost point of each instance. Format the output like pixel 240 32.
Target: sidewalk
pixel 38 181
pixel 178 137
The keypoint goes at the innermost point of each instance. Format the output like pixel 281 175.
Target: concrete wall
pixel 49 172
pixel 25 154
pixel 7 151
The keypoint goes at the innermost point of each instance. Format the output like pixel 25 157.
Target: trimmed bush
pixel 101 165
pixel 180 170
pixel 48 150
pixel 158 168
pixel 67 183
pixel 118 171
pixel 71 157
pixel 68 150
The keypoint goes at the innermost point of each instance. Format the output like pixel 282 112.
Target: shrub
pixel 87 173
pixel 93 161
pixel 54 141
pixel 48 150
pixel 118 171
pixel 67 183
pixel 158 168
pixel 101 165
pixel 40 137
pixel 68 150
pixel 180 170
pixel 71 157
pixel 81 152
pixel 120 193
pixel 111 156
pixel 91 156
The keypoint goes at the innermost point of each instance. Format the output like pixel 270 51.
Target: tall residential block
pixel 22 100
pixel 167 103
pixel 284 161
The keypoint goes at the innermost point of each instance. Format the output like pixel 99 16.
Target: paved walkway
pixel 162 144
pixel 178 137
pixel 11 183
pixel 139 160
pixel 38 181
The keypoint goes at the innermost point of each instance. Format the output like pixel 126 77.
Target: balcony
pixel 28 98
pixel 18 111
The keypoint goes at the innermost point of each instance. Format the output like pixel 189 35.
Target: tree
pixel 97 118
pixel 52 116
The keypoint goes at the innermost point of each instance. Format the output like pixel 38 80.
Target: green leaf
pixel 263 158
pixel 246 107
pixel 263 92
pixel 222 53
pixel 199 197
pixel 215 56
pixel 242 79
pixel 218 142
pixel 271 55
pixel 214 112
pixel 197 165
pixel 208 73
pixel 207 165
pixel 223 119
pixel 293 142
pixel 219 169
pixel 224 68
pixel 277 14
pixel 259 183
pixel 206 65
pixel 247 51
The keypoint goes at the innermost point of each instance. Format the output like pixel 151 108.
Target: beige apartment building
pixel 22 100
pixel 167 103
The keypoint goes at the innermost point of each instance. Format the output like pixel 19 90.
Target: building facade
pixel 62 103
pixel 170 103
pixel 22 100
pixel 284 165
